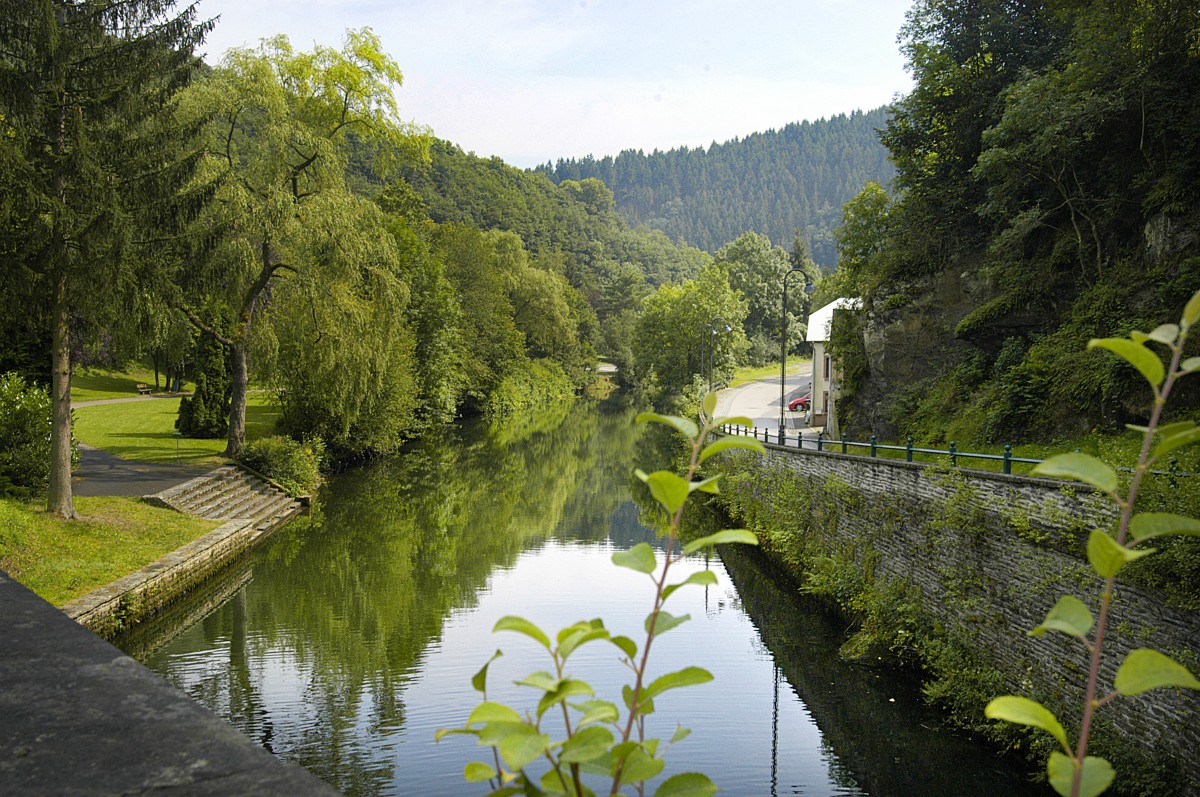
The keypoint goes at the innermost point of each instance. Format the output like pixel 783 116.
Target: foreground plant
pixel 1073 773
pixel 596 737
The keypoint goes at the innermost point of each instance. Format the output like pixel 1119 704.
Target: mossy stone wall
pixel 976 558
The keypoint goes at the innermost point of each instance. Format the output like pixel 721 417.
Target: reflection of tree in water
pixel 881 736
pixel 353 595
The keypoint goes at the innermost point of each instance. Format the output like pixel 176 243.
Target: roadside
pixel 759 401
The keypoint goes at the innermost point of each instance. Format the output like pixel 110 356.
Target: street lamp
pixel 712 331
pixel 783 325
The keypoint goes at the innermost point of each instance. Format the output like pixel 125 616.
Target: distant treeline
pixel 771 183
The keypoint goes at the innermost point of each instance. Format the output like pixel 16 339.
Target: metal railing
pixel 843 445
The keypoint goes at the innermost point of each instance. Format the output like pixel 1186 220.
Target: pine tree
pixel 84 165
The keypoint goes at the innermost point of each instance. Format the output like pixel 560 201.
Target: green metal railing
pixel 843 445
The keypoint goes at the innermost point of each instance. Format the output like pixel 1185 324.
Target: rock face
pixel 908 345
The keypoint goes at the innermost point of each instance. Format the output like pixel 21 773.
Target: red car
pixel 801 402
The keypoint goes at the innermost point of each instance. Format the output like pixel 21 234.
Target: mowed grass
pixel 61 560
pixel 90 384
pixel 747 373
pixel 144 431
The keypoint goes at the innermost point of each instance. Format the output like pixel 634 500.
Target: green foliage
pixel 597 741
pixel 1072 772
pixel 205 415
pixel 528 386
pixel 681 332
pixel 771 183
pixel 294 466
pixel 24 437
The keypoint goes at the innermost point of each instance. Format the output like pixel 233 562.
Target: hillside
pixel 771 183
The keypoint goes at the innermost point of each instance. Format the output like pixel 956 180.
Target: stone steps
pixel 228 493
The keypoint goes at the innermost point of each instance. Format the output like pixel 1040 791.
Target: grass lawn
pixel 89 384
pixel 61 560
pixel 747 373
pixel 145 430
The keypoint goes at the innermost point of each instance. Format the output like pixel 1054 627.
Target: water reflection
pixel 356 636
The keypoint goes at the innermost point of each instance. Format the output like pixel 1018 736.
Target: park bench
pixel 144 389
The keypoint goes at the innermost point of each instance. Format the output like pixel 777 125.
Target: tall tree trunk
pixel 60 500
pixel 237 403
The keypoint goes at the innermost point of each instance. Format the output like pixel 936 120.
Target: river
pixel 350 637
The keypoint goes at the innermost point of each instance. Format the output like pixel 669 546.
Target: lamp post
pixel 783 325
pixel 711 331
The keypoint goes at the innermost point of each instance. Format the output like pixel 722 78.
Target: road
pixel 760 400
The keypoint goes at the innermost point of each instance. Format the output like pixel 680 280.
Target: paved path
pixel 101 473
pixel 760 400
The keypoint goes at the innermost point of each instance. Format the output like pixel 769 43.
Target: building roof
pixel 821 320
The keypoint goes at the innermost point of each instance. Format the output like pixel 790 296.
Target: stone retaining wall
pixel 132 598
pixel 990 554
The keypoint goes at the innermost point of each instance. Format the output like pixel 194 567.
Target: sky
pixel 533 81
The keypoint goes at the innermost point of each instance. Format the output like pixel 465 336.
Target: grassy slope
pixel 89 384
pixel 61 560
pixel 145 430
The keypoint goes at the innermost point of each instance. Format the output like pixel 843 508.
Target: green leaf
pixel 1170 429
pixel 680 734
pixel 1023 711
pixel 552 782
pixel 688 676
pixel 682 425
pixel 519 750
pixel 587 744
pixel 1190 365
pixel 492 712
pixel 577 640
pixel 479 679
pixel 566 689
pixel 1147 525
pixel 708 485
pixel 730 442
pixel 1098 775
pixel 705 577
pixel 1137 355
pixel 665 622
pixel 441 733
pixel 1145 669
pixel 669 489
pixel 734 420
pixel 1107 557
pixel 1191 311
pixel 710 404
pixel 627 645
pixel 1168 444
pixel 540 680
pixel 1070 616
pixel 596 711
pixel 1080 467
pixel 645 706
pixel 722 538
pixel 522 626
pixel 640 558
pixel 640 766
pixel 477 771
pixel 686 784
pixel 491 734
pixel 1165 334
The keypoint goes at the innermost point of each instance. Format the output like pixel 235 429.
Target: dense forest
pixel 1047 192
pixel 773 183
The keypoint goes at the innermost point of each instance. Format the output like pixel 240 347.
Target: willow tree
pixel 282 126
pixel 88 166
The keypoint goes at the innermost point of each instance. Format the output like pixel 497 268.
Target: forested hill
pixel 771 183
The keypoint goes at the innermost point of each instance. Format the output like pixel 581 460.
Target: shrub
pixel 25 419
pixel 294 466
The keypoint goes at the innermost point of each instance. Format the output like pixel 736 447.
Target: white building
pixel 824 376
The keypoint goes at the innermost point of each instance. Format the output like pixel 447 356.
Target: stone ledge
pixel 78 717
pixel 132 598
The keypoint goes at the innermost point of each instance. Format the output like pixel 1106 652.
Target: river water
pixel 351 636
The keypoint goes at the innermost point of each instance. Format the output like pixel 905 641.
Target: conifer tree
pixel 85 166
